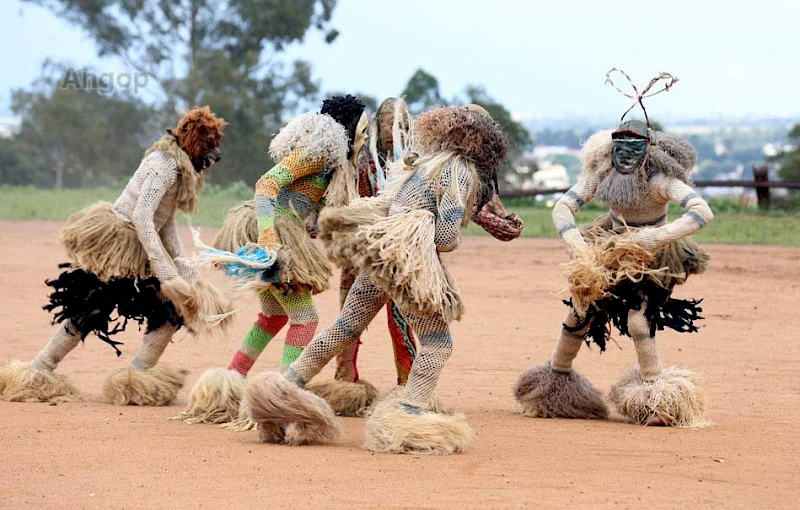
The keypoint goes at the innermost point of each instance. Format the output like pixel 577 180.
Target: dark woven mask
pixel 629 146
pixel 628 153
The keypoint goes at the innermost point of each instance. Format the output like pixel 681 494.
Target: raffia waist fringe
pixel 398 252
pixel 100 242
pixel 301 262
pixel 682 258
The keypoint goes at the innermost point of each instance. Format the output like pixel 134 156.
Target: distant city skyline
pixel 734 58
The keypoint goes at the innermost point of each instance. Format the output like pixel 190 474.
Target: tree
pixel 518 135
pixel 81 136
pixel 422 92
pixel 790 168
pixel 370 102
pixel 21 165
pixel 224 53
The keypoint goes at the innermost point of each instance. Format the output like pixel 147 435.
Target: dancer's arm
pixel 697 213
pixel 456 186
pixel 291 168
pixel 174 246
pixel 494 219
pixel 567 207
pixel 161 176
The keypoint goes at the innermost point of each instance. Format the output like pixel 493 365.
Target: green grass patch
pixel 735 224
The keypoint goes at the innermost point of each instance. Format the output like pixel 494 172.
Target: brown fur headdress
pixel 193 133
pixel 464 131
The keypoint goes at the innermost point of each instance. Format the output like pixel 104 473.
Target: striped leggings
pixel 277 308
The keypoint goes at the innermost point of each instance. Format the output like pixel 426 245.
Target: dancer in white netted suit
pixel 637 172
pixel 127 263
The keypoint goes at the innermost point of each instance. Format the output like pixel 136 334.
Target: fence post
pixel 761 174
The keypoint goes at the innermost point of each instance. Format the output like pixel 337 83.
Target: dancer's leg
pixel 554 389
pixel 289 414
pixel 363 303
pixel 303 320
pixel 402 342
pixel 651 394
pixel 270 321
pixel 347 360
pixel 406 425
pixel 65 338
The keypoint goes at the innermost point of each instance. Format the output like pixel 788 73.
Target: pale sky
pixel 733 58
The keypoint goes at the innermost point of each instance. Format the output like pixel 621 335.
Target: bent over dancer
pixel 348 394
pixel 127 258
pixel 312 165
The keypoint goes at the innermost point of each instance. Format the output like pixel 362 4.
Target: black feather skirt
pixel 682 258
pixel 106 307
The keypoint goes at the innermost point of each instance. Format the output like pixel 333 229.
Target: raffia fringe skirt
pixel 682 258
pixel 100 242
pixel 300 260
pixel 398 252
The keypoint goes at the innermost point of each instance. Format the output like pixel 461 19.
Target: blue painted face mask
pixel 628 153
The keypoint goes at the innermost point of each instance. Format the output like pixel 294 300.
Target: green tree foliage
pixel 518 135
pixel 422 92
pixel 76 137
pixel 224 53
pixel 22 165
pixel 790 168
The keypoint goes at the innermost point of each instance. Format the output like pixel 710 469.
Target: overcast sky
pixel 733 57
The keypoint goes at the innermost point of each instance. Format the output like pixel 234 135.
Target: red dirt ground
pixel 95 455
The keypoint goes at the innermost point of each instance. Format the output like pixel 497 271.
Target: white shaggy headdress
pixel 319 136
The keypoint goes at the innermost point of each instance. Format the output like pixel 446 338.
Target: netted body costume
pixel 395 240
pixel 390 143
pixel 127 265
pixel 312 167
pixel 637 172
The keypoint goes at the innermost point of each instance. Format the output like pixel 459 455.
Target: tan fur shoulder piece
pixel 672 156
pixel 596 154
pixel 190 181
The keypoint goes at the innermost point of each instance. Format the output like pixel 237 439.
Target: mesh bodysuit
pixel 403 344
pixel 445 196
pixel 149 202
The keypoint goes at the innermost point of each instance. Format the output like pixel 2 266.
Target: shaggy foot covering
pixel 244 421
pixel 544 393
pixel 288 414
pixel 394 428
pixel 674 398
pixel 23 382
pixel 155 386
pixel 215 397
pixel 345 398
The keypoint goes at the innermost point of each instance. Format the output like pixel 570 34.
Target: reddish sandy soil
pixel 94 455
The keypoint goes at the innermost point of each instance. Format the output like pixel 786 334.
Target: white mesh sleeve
pixel 697 213
pixel 174 246
pixel 456 182
pixel 568 205
pixel 159 179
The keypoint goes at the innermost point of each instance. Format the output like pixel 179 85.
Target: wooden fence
pixel 761 183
